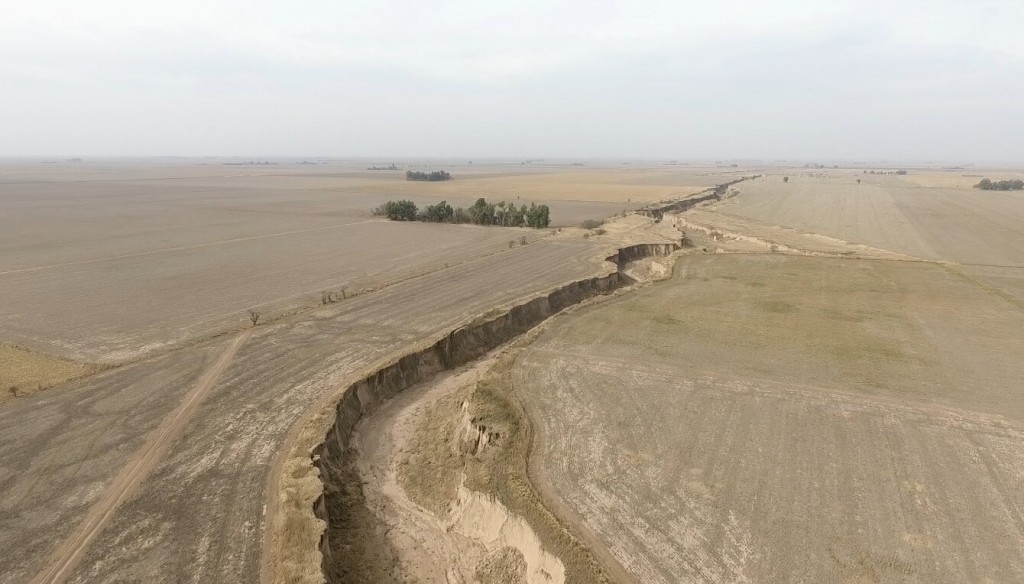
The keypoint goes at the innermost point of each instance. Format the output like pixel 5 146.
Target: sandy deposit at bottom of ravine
pixel 441 530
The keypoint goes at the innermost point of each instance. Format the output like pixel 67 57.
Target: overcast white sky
pixel 901 79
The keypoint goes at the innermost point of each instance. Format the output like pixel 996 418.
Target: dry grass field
pixel 893 212
pixel 762 418
pixel 24 372
pixel 599 185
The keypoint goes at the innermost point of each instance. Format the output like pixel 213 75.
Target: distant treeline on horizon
pixel 1015 184
pixel 437 175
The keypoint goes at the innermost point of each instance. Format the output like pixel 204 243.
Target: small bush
pixel 591 224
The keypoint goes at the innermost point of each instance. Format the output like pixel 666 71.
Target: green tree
pixel 482 213
pixel 440 213
pixel 538 216
pixel 400 210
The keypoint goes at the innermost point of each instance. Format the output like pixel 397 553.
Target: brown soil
pixel 70 552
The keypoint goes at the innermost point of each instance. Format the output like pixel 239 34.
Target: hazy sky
pixel 901 79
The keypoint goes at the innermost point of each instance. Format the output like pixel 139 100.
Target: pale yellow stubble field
pixel 629 185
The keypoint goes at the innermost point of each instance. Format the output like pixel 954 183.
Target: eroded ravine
pixel 340 483
pixel 343 505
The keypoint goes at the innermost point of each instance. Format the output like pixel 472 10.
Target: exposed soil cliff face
pixel 457 348
pixel 633 253
pixel 713 194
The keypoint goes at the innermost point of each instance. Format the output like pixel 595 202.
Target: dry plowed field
pixel 158 469
pixel 205 499
pixel 963 225
pixel 109 263
pixel 760 418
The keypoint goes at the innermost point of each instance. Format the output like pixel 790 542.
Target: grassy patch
pixel 24 372
pixel 430 473
pixel 503 472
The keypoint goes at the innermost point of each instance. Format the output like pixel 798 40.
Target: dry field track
pixel 767 418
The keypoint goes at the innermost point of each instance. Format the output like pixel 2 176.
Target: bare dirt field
pixel 765 418
pixel 874 379
pixel 109 262
pixel 211 485
pixel 104 478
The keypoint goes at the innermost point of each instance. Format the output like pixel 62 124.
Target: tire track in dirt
pixel 983 286
pixel 137 469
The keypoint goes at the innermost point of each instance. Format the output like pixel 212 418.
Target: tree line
pixel 434 176
pixel 481 213
pixel 1000 185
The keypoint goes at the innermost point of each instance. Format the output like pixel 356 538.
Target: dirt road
pixel 137 469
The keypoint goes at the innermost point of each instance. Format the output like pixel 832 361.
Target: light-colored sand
pixel 435 546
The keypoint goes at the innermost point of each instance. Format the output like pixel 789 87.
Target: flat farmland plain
pixel 764 418
pixel 161 467
pixel 597 185
pixel 200 514
pixel 943 223
pixel 107 263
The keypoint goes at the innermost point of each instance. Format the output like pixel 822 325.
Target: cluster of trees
pixel 899 172
pixel 427 176
pixel 1000 185
pixel 481 213
pixel 397 210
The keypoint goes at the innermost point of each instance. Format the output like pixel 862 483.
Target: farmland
pixel 148 258
pixel 769 417
pixel 172 450
pixel 896 213
pixel 828 393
